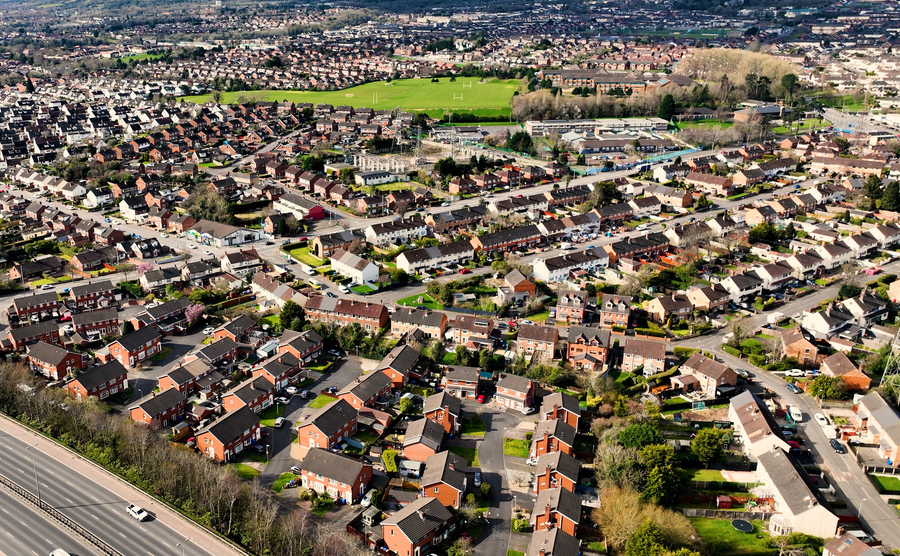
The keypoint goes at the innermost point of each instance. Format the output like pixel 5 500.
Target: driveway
pixel 347 370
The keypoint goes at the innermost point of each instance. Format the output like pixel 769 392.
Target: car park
pixel 837 446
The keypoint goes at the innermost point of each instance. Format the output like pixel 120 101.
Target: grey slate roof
pixel 415 525
pixel 401 359
pixel 136 339
pixel 556 428
pixel 790 479
pixel 155 403
pixel 367 385
pixel 424 431
pixel 411 315
pixel 251 390
pixel 463 374
pixel 239 325
pixel 438 470
pixel 332 417
pixel 561 400
pixel 562 463
pixel 232 425
pixel 48 353
pixel 35 300
pixel 589 335
pixel 101 375
pixel 514 382
pixel 218 348
pixel 95 316
pixel 160 311
pixel 37 329
pixel 443 399
pixel 554 542
pixel 561 500
pixel 332 466
pixel 88 289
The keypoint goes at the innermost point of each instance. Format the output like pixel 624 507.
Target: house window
pixel 436 489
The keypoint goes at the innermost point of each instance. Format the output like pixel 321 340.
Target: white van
pixel 315 284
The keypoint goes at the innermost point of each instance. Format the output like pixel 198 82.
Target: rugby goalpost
pixel 455 97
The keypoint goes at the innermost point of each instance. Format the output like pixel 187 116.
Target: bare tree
pixel 519 477
pixel 741 329
pixel 401 207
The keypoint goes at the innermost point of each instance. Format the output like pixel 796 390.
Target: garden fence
pixel 726 514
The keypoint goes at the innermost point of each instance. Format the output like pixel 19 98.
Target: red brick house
pixel 34 304
pixel 341 477
pixel 230 435
pixel 588 346
pixel 180 223
pixel 344 312
pixel 556 508
pixel 574 307
pixel 53 361
pixel 188 378
pixel 417 527
pixel 281 370
pixel 19 338
pixel 710 373
pixel 536 341
pixel 445 478
pixel 99 382
pixel 135 347
pixel 305 346
pixel 423 439
pixel 400 365
pixel 236 329
pixel 506 240
pixel 159 410
pixel 257 394
pixel 514 392
pixel 365 391
pixel 556 470
pixel 462 382
pixel 561 406
pixel 614 310
pixel 98 294
pixel 328 426
pixel 553 436
pixel 445 410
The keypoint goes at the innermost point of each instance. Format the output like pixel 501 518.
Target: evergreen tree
pixel 646 541
pixel 873 187
pixel 890 199
pixel 666 107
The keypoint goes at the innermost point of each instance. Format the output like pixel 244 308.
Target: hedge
pixel 731 351
pixel 650 332
pixel 758 360
pixel 680 351
pixel 617 328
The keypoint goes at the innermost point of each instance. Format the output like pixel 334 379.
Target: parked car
pixel 282 400
pixel 304 394
pixel 528 410
pixel 208 330
pixel 837 446
pixel 477 479
pixel 793 388
pixel 480 398
pixel 742 373
pixel 821 419
pixel 334 352
pixel 526 321
pixel 465 271
pixel 531 461
pixel 137 512
pixel 427 280
pixel 795 372
pixel 291 390
pixel 279 422
pixel 796 414
pixel 331 294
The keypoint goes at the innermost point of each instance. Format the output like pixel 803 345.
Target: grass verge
pixel 321 401
pixel 474 426
pixel 283 479
pixel 470 454
pixel 245 471
pixel 515 447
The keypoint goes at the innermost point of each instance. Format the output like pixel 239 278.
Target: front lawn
pixel 284 479
pixel 727 540
pixel 303 255
pixel 321 401
pixel 515 447
pixel 888 484
pixel 245 471
pixel 539 317
pixel 474 426
pixel 470 455
pixel 422 299
pixel 267 417
pixel 163 353
pixel 271 320
pixel 320 366
pixel 362 289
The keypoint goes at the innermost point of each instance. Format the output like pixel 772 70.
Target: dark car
pixel 270 243
pixel 838 447
pixel 793 388
pixel 258 448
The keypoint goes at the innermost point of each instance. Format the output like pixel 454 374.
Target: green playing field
pixel 462 95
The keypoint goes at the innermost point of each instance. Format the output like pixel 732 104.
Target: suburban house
pixel 415 261
pixel 796 345
pixel 741 287
pixel 649 354
pixel 159 410
pixel 367 390
pixel 305 346
pixel 423 439
pixel 574 307
pixel 553 542
pixel 849 545
pixel 676 306
pixel 343 478
pixel 711 374
pixel 556 508
pixel 462 382
pixel 400 365
pixel 99 382
pixel 445 478
pixel 20 338
pixel 236 329
pixel 229 435
pixel 553 436
pixel 281 370
pixel 53 362
pixel 755 426
pixel 514 392
pixel 97 294
pixel 537 342
pixel 257 394
pixel 840 365
pixel 328 426
pixel 241 262
pixel 562 406
pixel 359 270
pixel 413 530
pixel 445 410
pixel 588 348
pixel 878 423
pixel 472 331
pixel 615 310
pixel 192 377
pixel 516 287
pixel 556 470
pixel 506 240
pixel 800 507
pixel 406 320
pixel 28 306
pixel 344 312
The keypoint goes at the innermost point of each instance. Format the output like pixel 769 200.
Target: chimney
pixel 421 514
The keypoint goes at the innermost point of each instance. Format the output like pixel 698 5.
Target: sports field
pixel 463 95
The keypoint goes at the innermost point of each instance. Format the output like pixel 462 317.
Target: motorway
pixel 97 503
pixel 27 530
pixel 842 471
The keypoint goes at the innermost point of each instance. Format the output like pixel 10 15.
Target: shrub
pixel 617 328
pixel 731 351
pixel 650 332
pixel 681 351
pixel 486 490
pixel 758 360
pixel 520 525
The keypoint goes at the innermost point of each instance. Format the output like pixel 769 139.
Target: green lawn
pixel 303 255
pixel 271 320
pixel 284 479
pixel 320 366
pixel 245 471
pixel 470 454
pixel 707 475
pixel 163 353
pixel 51 280
pixel 806 125
pixel 890 484
pixel 362 289
pixel 321 401
pixel 365 437
pixel 474 426
pixel 514 553
pixel 426 301
pixel 539 317
pixel 409 94
pixel 139 57
pixel 729 541
pixel 705 124
pixel 267 417
pixel 515 447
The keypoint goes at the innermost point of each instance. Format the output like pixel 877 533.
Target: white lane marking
pixel 95 517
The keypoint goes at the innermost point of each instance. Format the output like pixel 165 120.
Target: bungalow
pixel 99 382
pixel 159 410
pixel 341 477
pixel 423 439
pixel 799 505
pixel 328 426
pixel 228 436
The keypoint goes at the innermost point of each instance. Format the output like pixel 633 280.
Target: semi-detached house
pixel 98 294
pixel 514 392
pixel 537 341
pixel 133 348
pixel 53 362
pixel 257 394
pixel 341 477
pixel 99 382
pixel 159 410
pixel 416 528
pixel 406 320
pixel 430 258
pixel 396 232
pixel 506 240
pixel 367 391
pixel 230 435
pixel 445 478
pixel 561 268
pixel 328 426
pixel 344 312
pixel 20 338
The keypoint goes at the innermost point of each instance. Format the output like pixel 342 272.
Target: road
pixel 848 479
pixel 96 501
pixel 27 530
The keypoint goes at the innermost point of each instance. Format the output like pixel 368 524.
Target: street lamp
pixel 37 483
pixel 267 453
pixel 859 511
pixel 181 544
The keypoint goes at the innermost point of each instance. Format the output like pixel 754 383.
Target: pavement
pixel 96 499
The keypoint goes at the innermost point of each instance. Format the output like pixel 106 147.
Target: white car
pixel 191 246
pixel 279 422
pixel 427 280
pixel 68 329
pixel 209 330
pixel 292 390
pixel 526 321
pixel 795 373
pixel 796 414
pixel 531 461
pixel 208 253
pixel 528 411
pixel 137 512
pixel 343 289
pixel 821 419
pixel 163 235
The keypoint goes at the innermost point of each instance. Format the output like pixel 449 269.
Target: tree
pixel 640 435
pixel 707 446
pixel 389 458
pixel 617 466
pixel 666 107
pixel 406 405
pixel 193 313
pixel 848 291
pixel 890 200
pixel 461 547
pixel 789 83
pixel 346 176
pixel 762 232
pixel 520 141
pixel 740 329
pixel 438 350
pixel 291 312
pixel 462 356
pixel 702 202
pixel 827 388
pixel 646 541
pixel 125 269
